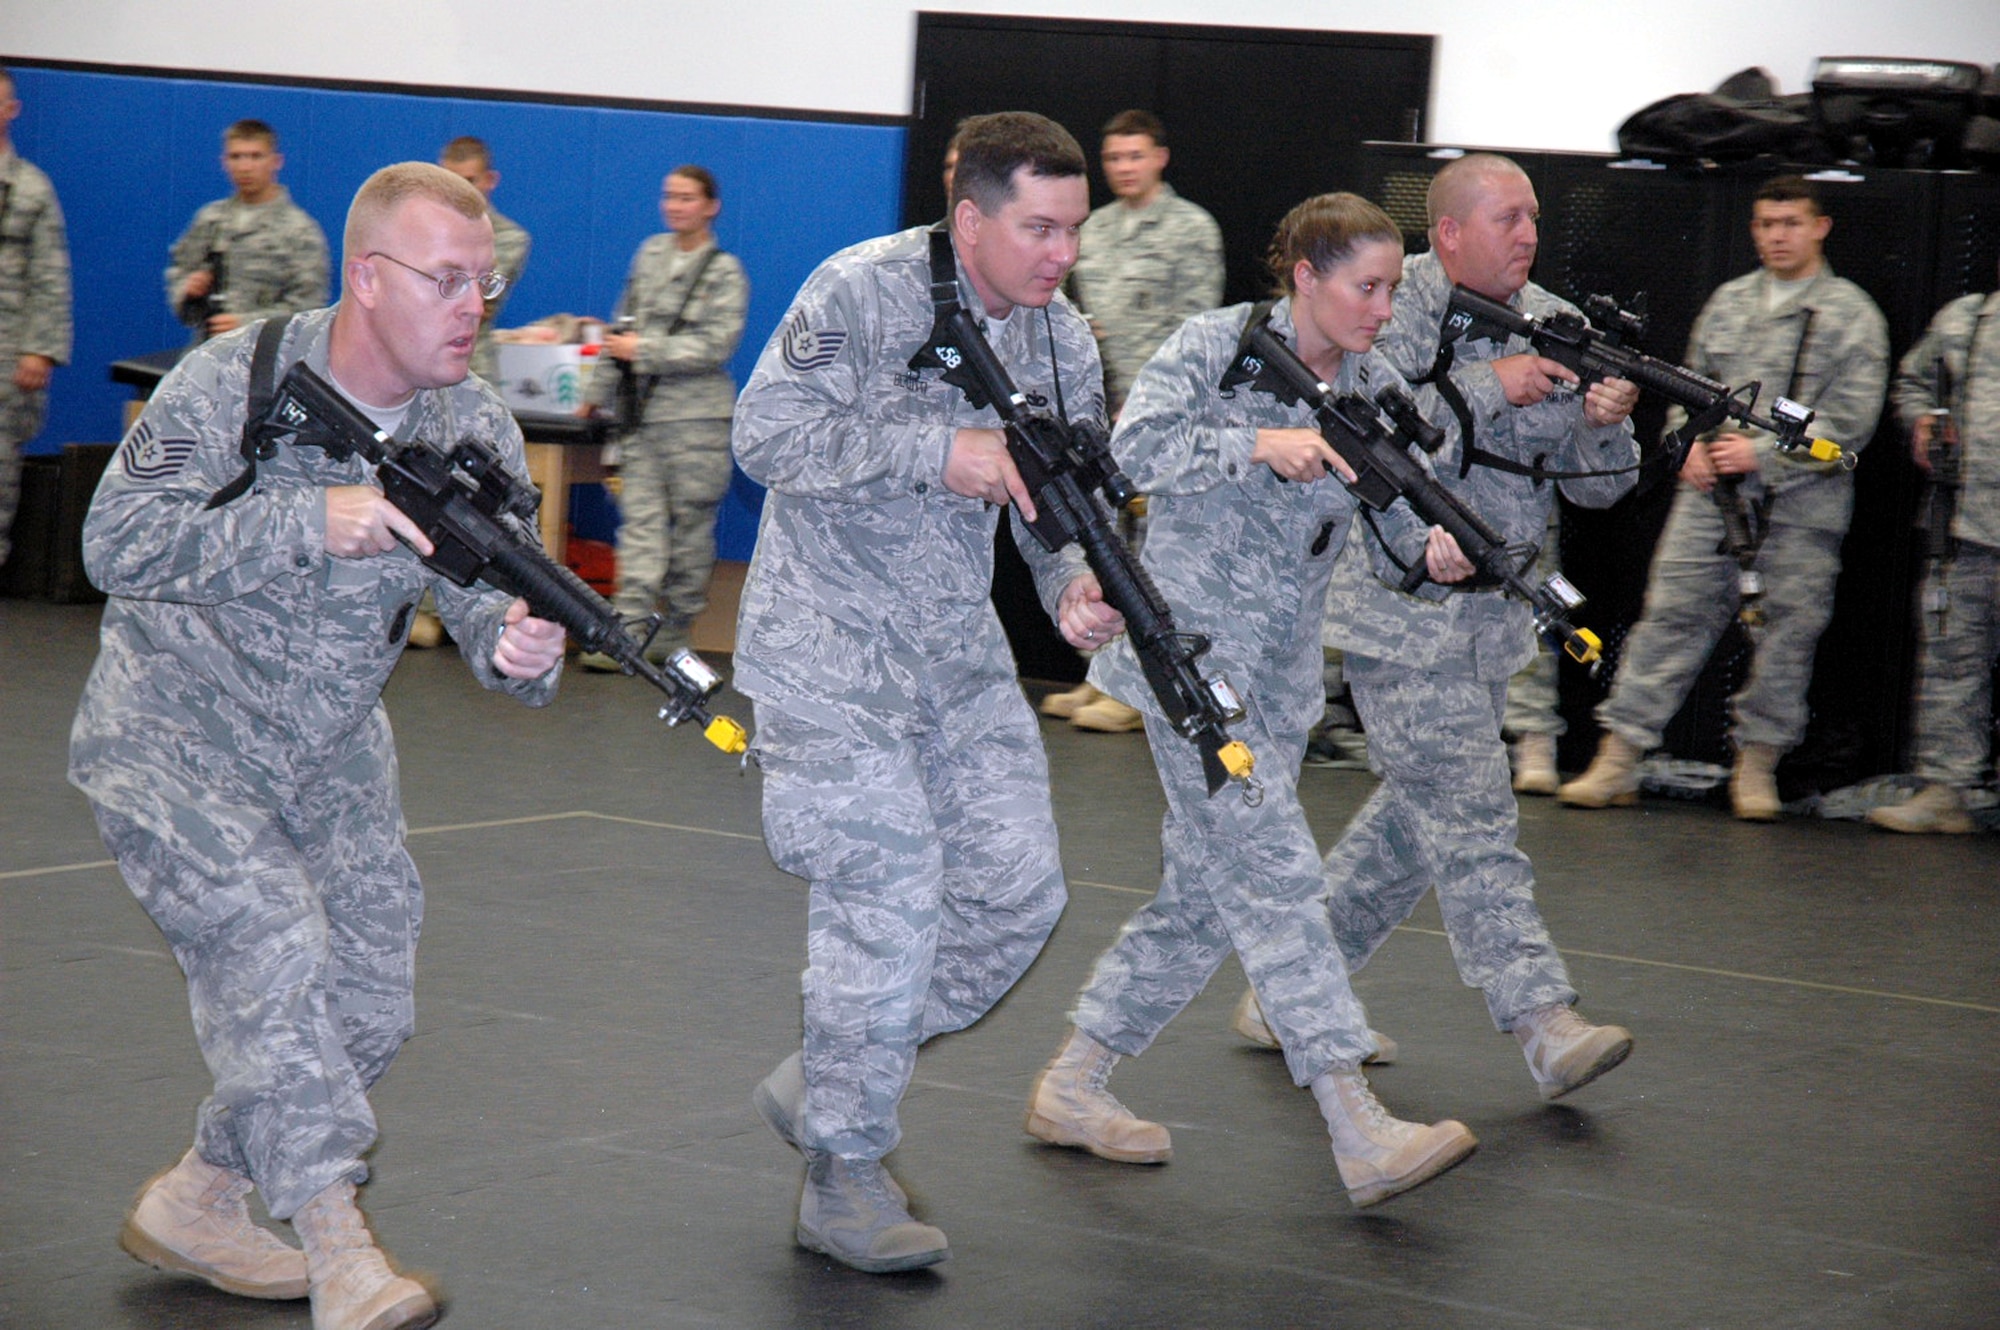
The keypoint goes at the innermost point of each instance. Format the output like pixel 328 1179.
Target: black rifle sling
pixel 263 387
pixel 940 349
pixel 678 322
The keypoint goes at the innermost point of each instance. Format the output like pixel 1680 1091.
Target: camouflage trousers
pixel 1691 598
pixel 934 881
pixel 1443 818
pixel 672 476
pixel 1233 878
pixel 300 968
pixel 1534 703
pixel 1955 676
pixel 20 421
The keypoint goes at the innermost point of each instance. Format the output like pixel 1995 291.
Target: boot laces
pixel 340 1228
pixel 1368 1109
pixel 1093 1081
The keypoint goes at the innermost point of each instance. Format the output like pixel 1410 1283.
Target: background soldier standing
pixel 254 255
pixel 685 300
pixel 1962 637
pixel 1818 339
pixel 34 304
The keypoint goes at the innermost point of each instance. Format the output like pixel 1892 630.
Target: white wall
pixel 1530 74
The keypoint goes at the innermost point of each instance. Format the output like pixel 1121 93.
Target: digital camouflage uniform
pixel 1430 670
pixel 1141 271
pixel 1954 721
pixel 1243 558
pixel 1691 592
pixel 674 469
pixel 34 312
pixel 510 260
pixel 903 770
pixel 274 257
pixel 233 745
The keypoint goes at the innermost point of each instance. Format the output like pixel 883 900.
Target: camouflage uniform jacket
pixel 871 578
pixel 1473 632
pixel 1966 327
pixel 1739 337
pixel 236 653
pixel 34 268
pixel 510 259
pixel 690 366
pixel 1140 272
pixel 275 258
pixel 1239 555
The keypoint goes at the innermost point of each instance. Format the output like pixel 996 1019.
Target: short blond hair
pixel 392 186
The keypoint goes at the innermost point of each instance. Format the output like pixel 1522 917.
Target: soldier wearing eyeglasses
pixel 253 255
pixel 233 744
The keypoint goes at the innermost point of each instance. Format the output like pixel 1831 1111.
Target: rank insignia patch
pixel 145 457
pixel 807 349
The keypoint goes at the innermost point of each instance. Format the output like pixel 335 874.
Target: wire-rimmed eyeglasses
pixel 452 283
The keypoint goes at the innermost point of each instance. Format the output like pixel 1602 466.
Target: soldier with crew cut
pixel 236 753
pixel 1950 383
pixel 904 778
pixel 1806 334
pixel 34 303
pixel 254 255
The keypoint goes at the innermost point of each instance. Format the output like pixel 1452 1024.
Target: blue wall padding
pixel 132 156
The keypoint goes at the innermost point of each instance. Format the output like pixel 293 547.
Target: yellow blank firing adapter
pixel 1584 647
pixel 1826 450
pixel 1237 759
pixel 727 735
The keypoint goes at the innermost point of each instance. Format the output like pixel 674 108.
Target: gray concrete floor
pixel 1808 1134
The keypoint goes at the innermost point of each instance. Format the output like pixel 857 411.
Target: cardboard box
pixel 550 379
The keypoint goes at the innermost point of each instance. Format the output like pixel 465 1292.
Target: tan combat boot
pixel 353 1286
pixel 1753 785
pixel 1248 1021
pixel 1611 781
pixel 1535 764
pixel 1933 809
pixel 1380 1156
pixel 1107 715
pixel 1066 704
pixel 192 1219
pixel 1566 1052
pixel 1070 1106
